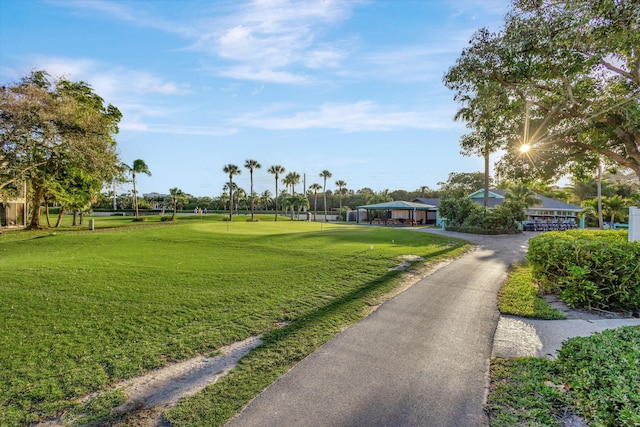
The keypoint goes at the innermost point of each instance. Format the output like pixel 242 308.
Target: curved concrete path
pixel 421 359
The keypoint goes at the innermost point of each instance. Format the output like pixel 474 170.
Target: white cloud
pixel 135 126
pixel 262 75
pixel 275 36
pixel 273 41
pixel 108 81
pixel 361 116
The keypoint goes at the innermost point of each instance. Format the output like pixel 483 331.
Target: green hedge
pixel 588 269
pixel 484 231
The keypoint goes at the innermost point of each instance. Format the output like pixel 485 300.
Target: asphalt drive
pixel 421 359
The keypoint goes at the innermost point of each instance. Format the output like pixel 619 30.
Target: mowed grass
pixel 81 310
pixel 520 296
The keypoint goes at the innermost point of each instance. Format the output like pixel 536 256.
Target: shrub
pixel 588 268
pixel 457 209
pixel 501 217
pixel 604 375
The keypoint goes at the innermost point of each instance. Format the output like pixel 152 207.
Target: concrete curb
pixel 520 337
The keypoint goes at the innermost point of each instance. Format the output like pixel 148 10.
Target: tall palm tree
pixel 232 170
pixel 276 170
pixel 341 185
pixel 291 180
pixel 315 187
pixel 252 165
pixel 138 166
pixel 325 174
pixel 176 196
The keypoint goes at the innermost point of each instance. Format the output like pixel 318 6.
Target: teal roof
pixel 399 205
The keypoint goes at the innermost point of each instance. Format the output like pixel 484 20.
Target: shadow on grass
pixel 282 349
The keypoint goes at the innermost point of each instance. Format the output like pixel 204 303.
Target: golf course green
pixel 82 309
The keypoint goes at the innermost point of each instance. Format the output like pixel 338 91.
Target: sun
pixel 524 148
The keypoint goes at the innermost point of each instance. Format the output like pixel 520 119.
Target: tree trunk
pixel 486 179
pixel 276 197
pixel 600 219
pixel 60 215
pixel 75 218
pixel 46 211
pixel 135 194
pixel 38 193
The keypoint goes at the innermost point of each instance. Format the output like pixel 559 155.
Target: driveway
pixel 421 359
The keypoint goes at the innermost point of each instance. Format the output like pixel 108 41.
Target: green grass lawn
pixel 520 296
pixel 80 310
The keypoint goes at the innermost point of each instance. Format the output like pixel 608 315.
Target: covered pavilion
pixel 400 212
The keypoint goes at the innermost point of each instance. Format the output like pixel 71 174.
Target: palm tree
pixel 240 196
pixel 224 198
pixel 265 197
pixel 232 170
pixel 252 165
pixel 523 195
pixel 615 206
pixel 176 196
pixel 276 170
pixel 315 187
pixel 139 166
pixel 325 174
pixel 299 201
pixel 291 180
pixel 341 185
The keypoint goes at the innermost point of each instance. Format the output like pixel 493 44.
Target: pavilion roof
pixel 399 205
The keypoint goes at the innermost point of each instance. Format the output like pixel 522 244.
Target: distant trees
pixel 177 196
pixel 138 167
pixel 615 207
pixel 325 174
pixel 252 165
pixel 265 198
pixel 463 183
pixel 231 170
pixel 291 180
pixel 314 188
pixel 276 170
pixel 522 195
pixel 341 187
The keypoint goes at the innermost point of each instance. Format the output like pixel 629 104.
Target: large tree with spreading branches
pixel 567 73
pixel 52 129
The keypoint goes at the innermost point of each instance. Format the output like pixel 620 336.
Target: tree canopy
pixel 55 134
pixel 568 70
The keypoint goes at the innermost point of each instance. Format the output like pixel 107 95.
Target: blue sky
pixel 351 86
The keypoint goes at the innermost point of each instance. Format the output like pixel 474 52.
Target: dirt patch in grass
pixel 149 395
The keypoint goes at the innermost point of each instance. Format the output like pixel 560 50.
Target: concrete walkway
pixel 421 359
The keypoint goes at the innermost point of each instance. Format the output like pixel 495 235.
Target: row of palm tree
pixel 290 181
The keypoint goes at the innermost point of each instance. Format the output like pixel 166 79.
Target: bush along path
pixel 595 380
